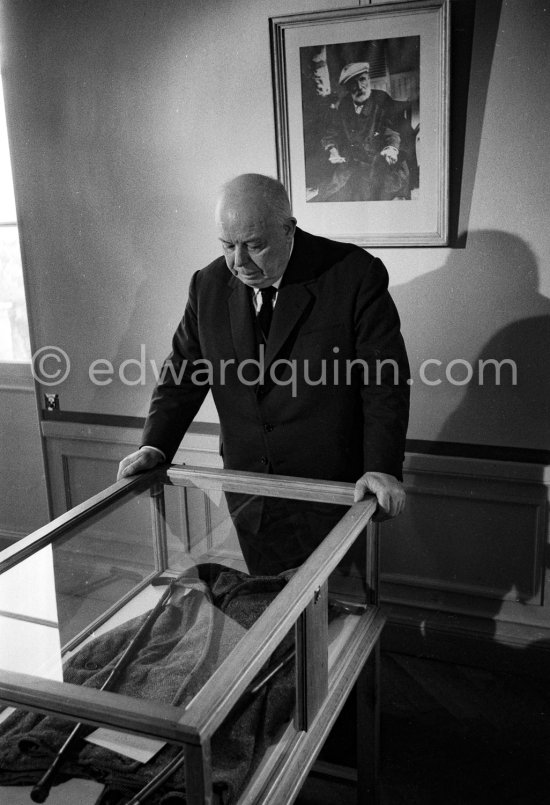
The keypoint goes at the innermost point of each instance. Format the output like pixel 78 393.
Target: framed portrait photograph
pixel 362 121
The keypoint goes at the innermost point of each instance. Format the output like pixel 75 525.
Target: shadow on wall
pixel 483 305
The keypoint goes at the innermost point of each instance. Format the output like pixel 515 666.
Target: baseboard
pixel 334 771
pixel 468 640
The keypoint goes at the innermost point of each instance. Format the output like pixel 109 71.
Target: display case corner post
pixel 158 518
pixel 311 634
pixel 373 562
pixel 198 778
pixel 367 693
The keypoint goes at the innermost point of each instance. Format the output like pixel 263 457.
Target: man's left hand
pixel 389 492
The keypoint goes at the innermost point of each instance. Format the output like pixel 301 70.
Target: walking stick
pixel 40 791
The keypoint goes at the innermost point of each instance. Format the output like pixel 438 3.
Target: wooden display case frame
pixel 326 671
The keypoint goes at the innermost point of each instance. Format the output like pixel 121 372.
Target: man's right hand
pixel 334 156
pixel 143 459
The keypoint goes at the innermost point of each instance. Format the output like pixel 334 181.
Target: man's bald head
pixel 256 228
pixel 254 193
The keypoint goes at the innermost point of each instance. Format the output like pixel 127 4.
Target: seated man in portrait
pixel 364 143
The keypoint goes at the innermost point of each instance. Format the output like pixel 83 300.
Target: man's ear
pixel 289 227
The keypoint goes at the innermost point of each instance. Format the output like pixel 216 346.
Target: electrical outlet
pixel 52 402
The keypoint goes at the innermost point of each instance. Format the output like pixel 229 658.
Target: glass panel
pixel 97 564
pixel 350 595
pixel 149 598
pixel 263 535
pixel 199 529
pixel 29 628
pixel 118 563
pixel 348 584
pixel 261 725
pixel 63 589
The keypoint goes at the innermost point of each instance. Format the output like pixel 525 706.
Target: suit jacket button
pixel 268 427
pixel 263 460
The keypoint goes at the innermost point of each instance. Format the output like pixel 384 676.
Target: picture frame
pixel 362 121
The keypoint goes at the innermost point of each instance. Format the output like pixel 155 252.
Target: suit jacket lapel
pixel 294 296
pixel 292 300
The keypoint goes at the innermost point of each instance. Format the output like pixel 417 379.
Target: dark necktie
pixel 266 311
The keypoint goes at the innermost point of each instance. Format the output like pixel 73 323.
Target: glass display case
pixel 142 660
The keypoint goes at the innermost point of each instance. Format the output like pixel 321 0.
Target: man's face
pixel 359 87
pixel 256 248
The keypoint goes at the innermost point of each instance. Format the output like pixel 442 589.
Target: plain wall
pixel 126 116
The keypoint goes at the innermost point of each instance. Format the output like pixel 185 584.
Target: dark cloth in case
pixel 203 621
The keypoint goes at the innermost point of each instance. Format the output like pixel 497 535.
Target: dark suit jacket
pixel 314 416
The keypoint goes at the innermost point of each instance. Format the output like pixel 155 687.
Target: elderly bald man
pixel 308 369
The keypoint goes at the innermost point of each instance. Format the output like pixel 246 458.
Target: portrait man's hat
pixel 352 70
